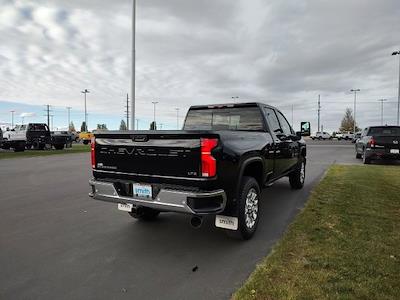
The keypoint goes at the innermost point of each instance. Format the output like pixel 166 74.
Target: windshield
pixel 227 118
pixel 384 131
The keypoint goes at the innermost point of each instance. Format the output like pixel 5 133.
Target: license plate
pixel 141 190
pixel 226 222
pixel 395 151
pixel 125 207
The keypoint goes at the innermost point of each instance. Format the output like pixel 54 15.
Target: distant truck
pixel 86 137
pixel 378 142
pixel 321 136
pixel 32 135
pixel 61 139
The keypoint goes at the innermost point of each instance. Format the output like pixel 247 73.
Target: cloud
pixel 190 52
pixel 27 114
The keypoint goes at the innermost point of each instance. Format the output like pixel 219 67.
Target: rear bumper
pixel 377 153
pixel 191 202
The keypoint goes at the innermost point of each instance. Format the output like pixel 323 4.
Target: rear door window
pixel 284 124
pixel 273 122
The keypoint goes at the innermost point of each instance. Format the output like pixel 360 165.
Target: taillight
pixel 208 162
pixel 372 142
pixel 93 152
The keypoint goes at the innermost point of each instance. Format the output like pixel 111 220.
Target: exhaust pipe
pixel 196 221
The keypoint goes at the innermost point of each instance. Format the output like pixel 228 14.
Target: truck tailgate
pixel 149 153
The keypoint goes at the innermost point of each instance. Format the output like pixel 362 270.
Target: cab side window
pixel 272 120
pixel 284 124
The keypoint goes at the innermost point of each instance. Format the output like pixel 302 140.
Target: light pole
pixel 154 114
pixel 51 118
pixel 86 124
pixel 133 54
pixel 12 118
pixel 137 124
pixel 354 112
pixel 177 118
pixel 69 117
pixel 234 98
pixel 398 95
pixel 382 100
pixel 161 124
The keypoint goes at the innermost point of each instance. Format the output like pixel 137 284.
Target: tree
pixel 348 121
pixel 102 126
pixel 122 126
pixel 153 126
pixel 71 126
pixel 83 127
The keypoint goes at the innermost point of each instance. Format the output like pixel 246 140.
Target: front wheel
pixel 298 176
pixel 248 208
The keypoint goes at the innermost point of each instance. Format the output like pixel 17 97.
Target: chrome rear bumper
pixel 165 200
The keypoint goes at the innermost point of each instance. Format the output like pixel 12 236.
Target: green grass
pixel 345 244
pixel 76 148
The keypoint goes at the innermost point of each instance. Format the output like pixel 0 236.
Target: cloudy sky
pixel 284 53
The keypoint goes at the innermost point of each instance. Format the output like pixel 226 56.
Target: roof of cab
pixel 224 105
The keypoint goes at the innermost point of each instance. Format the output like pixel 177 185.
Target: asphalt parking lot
pixel 57 243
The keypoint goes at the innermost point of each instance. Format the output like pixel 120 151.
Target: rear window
pixel 384 131
pixel 38 127
pixel 227 118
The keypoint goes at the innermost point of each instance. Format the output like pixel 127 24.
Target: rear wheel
pixel 358 155
pixel 145 213
pixel 247 209
pixel 366 160
pixel 298 176
pixel 85 142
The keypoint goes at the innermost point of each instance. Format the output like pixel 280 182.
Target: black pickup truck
pixel 378 142
pixel 216 165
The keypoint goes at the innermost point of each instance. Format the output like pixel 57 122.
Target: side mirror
pixel 298 135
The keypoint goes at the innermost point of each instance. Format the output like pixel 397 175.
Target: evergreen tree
pixel 153 126
pixel 122 126
pixel 71 126
pixel 83 127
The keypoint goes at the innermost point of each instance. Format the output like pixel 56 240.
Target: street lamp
pixel 382 100
pixel 354 113
pixel 69 119
pixel 86 125
pixel 177 118
pixel 154 114
pixel 12 118
pixel 398 96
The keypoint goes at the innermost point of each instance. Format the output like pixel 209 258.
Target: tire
pixel 366 160
pixel 247 209
pixel 298 176
pixel 42 146
pixel 59 147
pixel 358 155
pixel 320 138
pixel 145 214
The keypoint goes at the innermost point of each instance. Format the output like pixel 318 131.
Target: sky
pixel 283 53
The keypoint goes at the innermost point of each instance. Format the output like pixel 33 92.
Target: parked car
pixel 378 142
pixel 216 165
pixel 347 135
pixel 321 136
pixel 61 139
pixel 356 137
pixel 338 136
